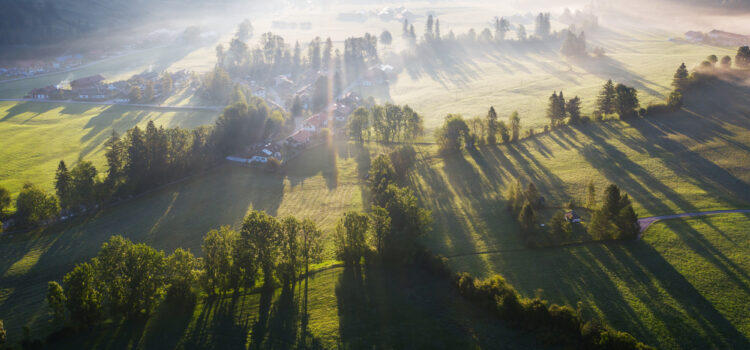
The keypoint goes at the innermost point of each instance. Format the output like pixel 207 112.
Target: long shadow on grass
pixel 407 308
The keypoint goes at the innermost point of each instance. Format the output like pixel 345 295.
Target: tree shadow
pixel 406 307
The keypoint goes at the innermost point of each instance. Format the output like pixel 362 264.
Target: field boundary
pixel 108 103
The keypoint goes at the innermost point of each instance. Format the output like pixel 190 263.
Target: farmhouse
pixel 44 93
pixel 299 138
pixel 87 82
pixel 316 122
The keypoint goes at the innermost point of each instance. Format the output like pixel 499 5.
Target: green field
pixel 176 216
pixel 667 294
pixel 36 136
pixel 684 286
pixel 511 77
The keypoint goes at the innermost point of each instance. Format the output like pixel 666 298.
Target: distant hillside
pixel 728 4
pixel 34 22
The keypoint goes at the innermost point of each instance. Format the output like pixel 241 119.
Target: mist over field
pixel 367 174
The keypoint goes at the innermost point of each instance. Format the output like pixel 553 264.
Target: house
pixel 316 122
pixel 571 216
pixel 44 93
pixel 87 82
pixel 121 98
pixel 93 93
pixel 299 138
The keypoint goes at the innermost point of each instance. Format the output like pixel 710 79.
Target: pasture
pixel 670 290
pixel 36 136
pixel 178 215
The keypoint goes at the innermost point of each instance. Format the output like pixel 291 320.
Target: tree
pixel 573 46
pixel 437 29
pixel 408 223
pixel 83 180
pixel 492 126
pixel 452 135
pixel 386 38
pixel 359 124
pixel 148 92
pixel 674 100
pixel 380 176
pixel 134 95
pixel 557 225
pixel 591 195
pixel 132 275
pixel 137 164
pixel 515 126
pixel 34 205
pixel 4 200
pixel 381 227
pixel 574 110
pixel 680 79
pixel 527 219
pixel 605 102
pixel 310 243
pixel 114 154
pixel 182 275
pixel 521 32
pixel 713 59
pixel 82 296
pixel 3 335
pixel 56 300
pixel 260 235
pixel 502 26
pixel 555 109
pixel 726 62
pixel 290 264
pixel 503 131
pixel 244 30
pixel 221 259
pixel 63 185
pixel 313 52
pixel 626 101
pixel 350 237
pixel 428 35
pixel 542 25
pixel 742 59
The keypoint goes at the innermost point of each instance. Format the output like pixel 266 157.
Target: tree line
pixel 143 159
pixel 386 123
pixel 129 280
pixel 457 132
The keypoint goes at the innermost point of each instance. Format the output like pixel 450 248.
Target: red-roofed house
pixel 315 122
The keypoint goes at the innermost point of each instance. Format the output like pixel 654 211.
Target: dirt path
pixel 646 222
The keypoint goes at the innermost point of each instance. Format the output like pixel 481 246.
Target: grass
pixel 684 286
pixel 36 136
pixel 670 295
pixel 348 308
pixel 521 78
pixel 176 216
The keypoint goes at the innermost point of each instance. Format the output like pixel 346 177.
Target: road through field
pixel 646 222
pixel 107 103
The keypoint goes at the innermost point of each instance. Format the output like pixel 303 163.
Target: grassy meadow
pixel 672 289
pixel 178 215
pixel 36 136
pixel 512 77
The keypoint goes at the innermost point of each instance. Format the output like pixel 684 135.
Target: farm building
pixel 87 82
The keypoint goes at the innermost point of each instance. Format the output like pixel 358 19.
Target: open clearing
pixel 36 136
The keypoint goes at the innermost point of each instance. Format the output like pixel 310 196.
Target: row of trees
pixel 456 132
pixel 128 280
pixel 388 123
pixel 144 159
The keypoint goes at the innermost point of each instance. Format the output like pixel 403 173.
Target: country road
pixel 646 222
pixel 109 103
